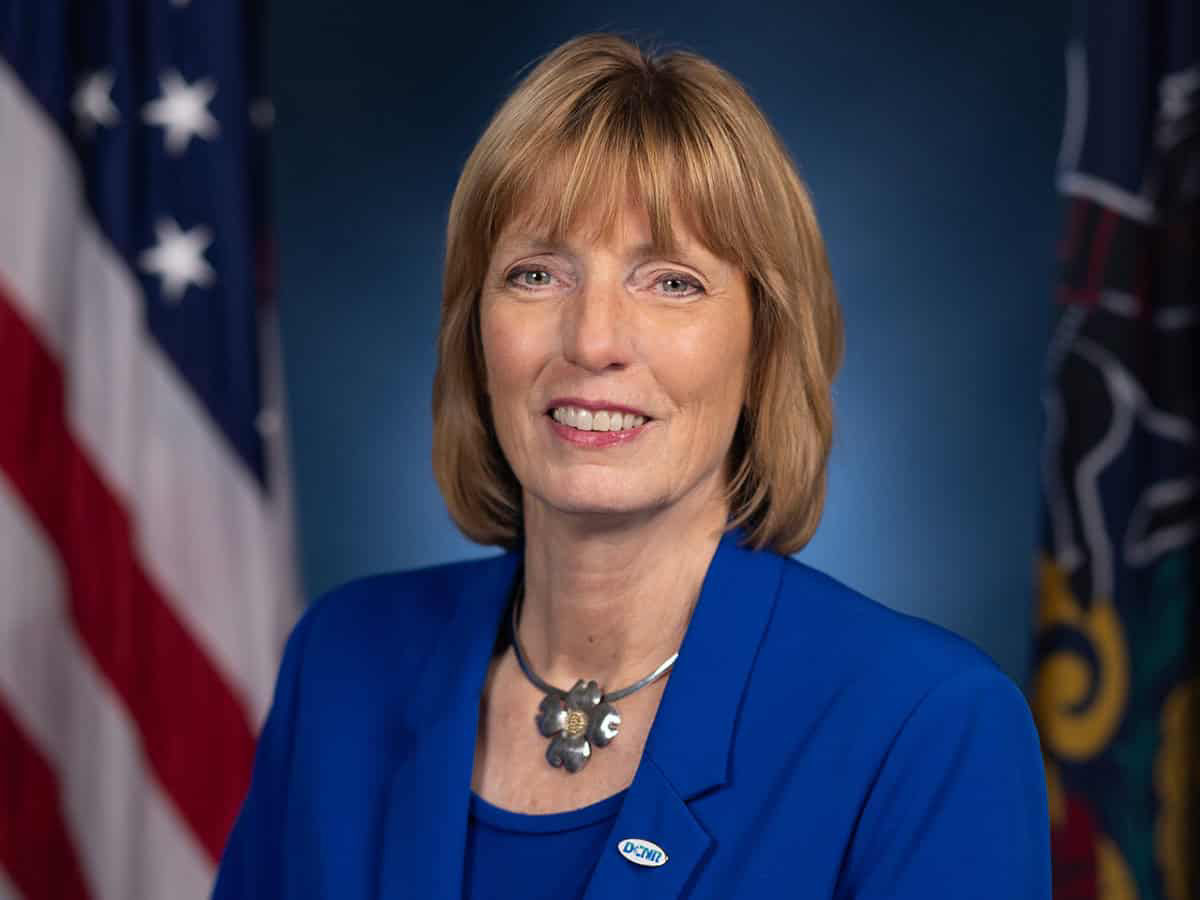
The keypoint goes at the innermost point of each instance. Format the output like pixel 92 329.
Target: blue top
pixel 809 743
pixel 546 857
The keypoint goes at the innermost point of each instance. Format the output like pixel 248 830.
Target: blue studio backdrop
pixel 928 134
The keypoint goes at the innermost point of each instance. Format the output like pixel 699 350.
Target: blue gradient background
pixel 928 135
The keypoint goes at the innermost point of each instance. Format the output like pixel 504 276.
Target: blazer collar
pixel 687 752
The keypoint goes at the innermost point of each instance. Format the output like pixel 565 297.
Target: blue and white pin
pixel 642 852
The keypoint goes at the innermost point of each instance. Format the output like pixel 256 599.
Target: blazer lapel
pixel 425 823
pixel 652 811
pixel 687 751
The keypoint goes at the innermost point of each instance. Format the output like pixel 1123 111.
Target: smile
pixel 597 420
pixel 620 428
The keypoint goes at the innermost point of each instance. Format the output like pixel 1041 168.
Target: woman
pixel 644 696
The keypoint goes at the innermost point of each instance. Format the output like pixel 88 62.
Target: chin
pixel 598 496
pixel 592 506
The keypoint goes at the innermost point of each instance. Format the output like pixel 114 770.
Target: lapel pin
pixel 641 852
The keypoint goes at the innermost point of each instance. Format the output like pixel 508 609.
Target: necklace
pixel 574 720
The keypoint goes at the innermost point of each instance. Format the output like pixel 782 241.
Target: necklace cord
pixel 551 689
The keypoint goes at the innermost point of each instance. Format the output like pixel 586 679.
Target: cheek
pixel 514 348
pixel 501 366
pixel 734 350
pixel 501 353
pixel 707 370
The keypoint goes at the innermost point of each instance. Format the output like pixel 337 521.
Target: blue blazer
pixel 810 743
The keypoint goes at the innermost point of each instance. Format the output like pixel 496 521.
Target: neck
pixel 607 600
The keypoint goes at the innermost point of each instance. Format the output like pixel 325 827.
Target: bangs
pixel 613 145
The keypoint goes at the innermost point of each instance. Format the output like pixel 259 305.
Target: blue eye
pixel 686 282
pixel 513 276
pixel 673 279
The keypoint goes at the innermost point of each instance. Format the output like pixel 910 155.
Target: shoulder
pixel 864 655
pixel 945 758
pixel 387 618
pixel 865 633
pixel 424 596
pixel 939 745
pixel 927 733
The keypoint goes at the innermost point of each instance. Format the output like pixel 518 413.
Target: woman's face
pixel 600 335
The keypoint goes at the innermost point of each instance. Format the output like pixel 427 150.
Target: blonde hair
pixel 598 111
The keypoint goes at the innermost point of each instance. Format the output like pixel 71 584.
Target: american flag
pixel 146 568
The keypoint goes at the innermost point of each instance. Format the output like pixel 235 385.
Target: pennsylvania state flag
pixel 1115 681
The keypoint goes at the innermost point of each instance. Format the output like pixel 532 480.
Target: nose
pixel 596 327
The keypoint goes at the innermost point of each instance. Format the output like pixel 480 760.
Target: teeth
pixel 603 420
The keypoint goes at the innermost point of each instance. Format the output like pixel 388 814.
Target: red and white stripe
pixel 146 579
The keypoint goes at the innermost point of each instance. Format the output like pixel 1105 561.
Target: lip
pixel 595 439
pixel 595 406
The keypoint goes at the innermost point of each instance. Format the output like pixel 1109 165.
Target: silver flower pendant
pixel 575 721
